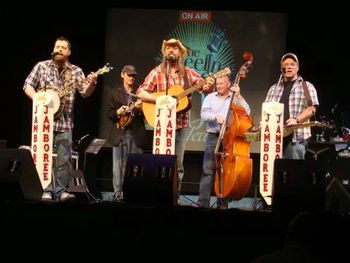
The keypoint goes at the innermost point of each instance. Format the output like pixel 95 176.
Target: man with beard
pixel 60 73
pixel 172 71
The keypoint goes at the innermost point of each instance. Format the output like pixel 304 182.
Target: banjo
pixel 58 94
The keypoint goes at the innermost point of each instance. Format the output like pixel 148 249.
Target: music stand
pixel 78 184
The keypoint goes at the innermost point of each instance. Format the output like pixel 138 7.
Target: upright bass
pixel 233 172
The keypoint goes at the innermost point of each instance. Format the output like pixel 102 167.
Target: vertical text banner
pixel 42 135
pixel 271 145
pixel 165 126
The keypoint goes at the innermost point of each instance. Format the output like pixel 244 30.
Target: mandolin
pixel 127 116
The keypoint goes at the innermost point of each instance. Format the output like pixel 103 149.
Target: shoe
pixel 65 196
pixel 181 203
pixel 118 197
pixel 197 205
pixel 47 196
pixel 222 203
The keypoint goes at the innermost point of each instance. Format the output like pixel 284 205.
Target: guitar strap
pixel 307 94
pixel 186 81
pixel 67 77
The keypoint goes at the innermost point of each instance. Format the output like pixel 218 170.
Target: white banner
pixel 271 145
pixel 165 126
pixel 42 135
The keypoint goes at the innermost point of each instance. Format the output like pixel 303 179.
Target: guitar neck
pixel 76 85
pixel 70 88
pixel 289 129
pixel 216 75
pixel 189 91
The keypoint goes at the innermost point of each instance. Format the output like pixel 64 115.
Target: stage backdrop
pixel 216 39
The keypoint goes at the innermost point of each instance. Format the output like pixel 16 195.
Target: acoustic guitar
pixel 179 93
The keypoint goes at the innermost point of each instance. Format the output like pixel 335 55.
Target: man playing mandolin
pixel 127 132
pixel 58 74
pixel 171 72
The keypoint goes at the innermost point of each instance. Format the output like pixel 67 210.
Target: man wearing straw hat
pixel 171 72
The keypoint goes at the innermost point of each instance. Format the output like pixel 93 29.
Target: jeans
pixel 62 142
pixel 120 154
pixel 295 151
pixel 206 181
pixel 180 144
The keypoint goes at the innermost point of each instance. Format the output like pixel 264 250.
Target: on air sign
pixel 194 16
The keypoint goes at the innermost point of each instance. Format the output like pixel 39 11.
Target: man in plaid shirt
pixel 58 72
pixel 290 92
pixel 174 54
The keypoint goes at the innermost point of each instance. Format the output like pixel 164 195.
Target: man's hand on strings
pixel 122 110
pixel 138 104
pixel 92 78
pixel 220 119
pixel 209 84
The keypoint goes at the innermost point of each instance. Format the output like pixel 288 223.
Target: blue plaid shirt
pixel 297 103
pixel 45 74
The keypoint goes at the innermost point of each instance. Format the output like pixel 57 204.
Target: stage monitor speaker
pixel 19 179
pixel 299 185
pixel 151 180
pixel 338 196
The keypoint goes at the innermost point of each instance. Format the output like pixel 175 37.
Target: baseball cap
pixel 289 55
pixel 129 69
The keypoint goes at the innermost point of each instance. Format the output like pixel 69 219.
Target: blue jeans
pixel 62 142
pixel 295 151
pixel 206 181
pixel 120 154
pixel 180 144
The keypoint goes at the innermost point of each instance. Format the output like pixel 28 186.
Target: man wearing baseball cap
pixel 300 102
pixel 127 128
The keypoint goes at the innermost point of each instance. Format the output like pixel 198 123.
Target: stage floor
pixel 110 229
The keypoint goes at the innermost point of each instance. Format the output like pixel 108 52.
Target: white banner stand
pixel 165 126
pixel 44 109
pixel 271 145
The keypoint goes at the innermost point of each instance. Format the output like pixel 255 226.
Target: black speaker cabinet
pixel 98 171
pixel 338 196
pixel 151 180
pixel 19 178
pixel 299 185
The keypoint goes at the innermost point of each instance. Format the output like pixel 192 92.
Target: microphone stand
pixel 167 73
pixel 279 80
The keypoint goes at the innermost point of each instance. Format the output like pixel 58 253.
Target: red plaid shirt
pixel 156 82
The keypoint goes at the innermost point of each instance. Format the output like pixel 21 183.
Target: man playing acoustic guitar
pixel 169 73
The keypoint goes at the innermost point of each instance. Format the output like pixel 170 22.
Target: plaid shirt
pixel 297 103
pixel 45 74
pixel 156 82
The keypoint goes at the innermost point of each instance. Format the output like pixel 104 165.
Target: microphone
pixel 171 57
pixel 334 108
pixel 53 54
pixel 283 70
